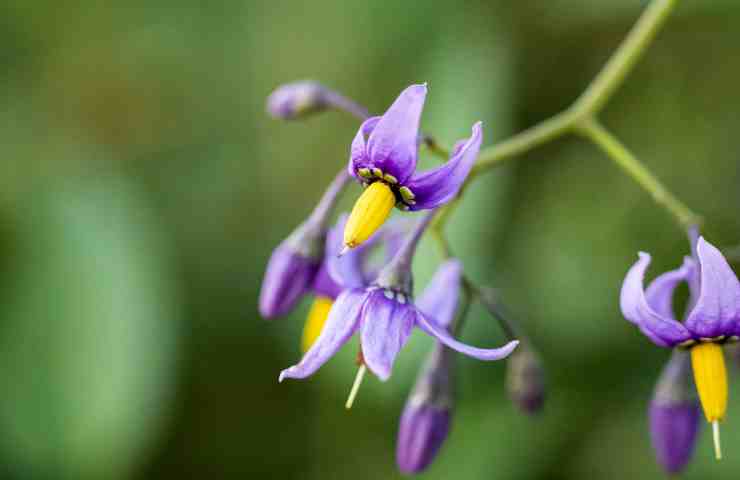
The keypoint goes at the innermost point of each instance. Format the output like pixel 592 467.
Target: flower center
pixel 370 212
pixel 710 376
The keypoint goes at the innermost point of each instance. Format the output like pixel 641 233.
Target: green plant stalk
pixel 582 113
pixel 622 157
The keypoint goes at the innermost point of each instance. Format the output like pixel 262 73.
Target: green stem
pixel 580 117
pixel 522 142
pixel 623 60
pixel 609 144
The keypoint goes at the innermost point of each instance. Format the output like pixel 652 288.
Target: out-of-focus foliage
pixel 142 188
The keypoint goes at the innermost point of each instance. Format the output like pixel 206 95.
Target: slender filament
pixel 715 435
pixel 370 212
pixel 317 316
pixel 355 386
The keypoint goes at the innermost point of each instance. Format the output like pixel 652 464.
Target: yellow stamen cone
pixel 370 212
pixel 710 376
pixel 315 321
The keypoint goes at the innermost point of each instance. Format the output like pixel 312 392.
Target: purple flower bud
pixel 674 414
pixel 291 270
pixel 425 421
pixel 295 262
pixel 298 99
pixel 525 379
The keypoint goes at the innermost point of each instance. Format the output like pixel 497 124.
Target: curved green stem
pixel 624 58
pixel 580 116
pixel 609 144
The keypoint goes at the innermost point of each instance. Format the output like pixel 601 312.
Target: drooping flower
pixel 296 261
pixel 427 415
pixel 712 320
pixel 353 270
pixel 384 314
pixel 383 158
pixel 674 414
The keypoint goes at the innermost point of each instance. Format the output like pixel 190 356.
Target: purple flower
pixel 383 157
pixel 674 414
pixel 384 314
pixel 713 318
pixel 353 270
pixel 295 262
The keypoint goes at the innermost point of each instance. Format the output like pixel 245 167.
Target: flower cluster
pixel 712 320
pixel 356 293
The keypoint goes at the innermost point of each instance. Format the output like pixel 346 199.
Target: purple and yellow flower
pixel 674 414
pixel 712 320
pixel 427 415
pixel 353 270
pixel 383 158
pixel 384 314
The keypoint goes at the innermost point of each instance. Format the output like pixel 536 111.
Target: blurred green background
pixel 143 187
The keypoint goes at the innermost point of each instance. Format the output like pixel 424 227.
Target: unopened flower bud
pixel 295 262
pixel 298 99
pixel 674 414
pixel 425 421
pixel 525 379
pixel 291 270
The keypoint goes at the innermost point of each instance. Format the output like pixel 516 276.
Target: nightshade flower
pixel 384 314
pixel 383 157
pixel 353 270
pixel 712 321
pixel 426 417
pixel 674 414
pixel 295 262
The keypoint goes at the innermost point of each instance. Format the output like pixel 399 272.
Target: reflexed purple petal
pixel 659 294
pixel 358 151
pixel 386 326
pixel 393 144
pixel 480 353
pixel 717 311
pixel 439 300
pixel 673 432
pixel 422 431
pixel 287 277
pixel 663 331
pixel 342 322
pixel 439 185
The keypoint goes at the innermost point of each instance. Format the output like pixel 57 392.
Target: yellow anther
pixel 710 376
pixel 315 321
pixel 370 212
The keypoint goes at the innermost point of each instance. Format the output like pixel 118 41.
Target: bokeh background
pixel 142 188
